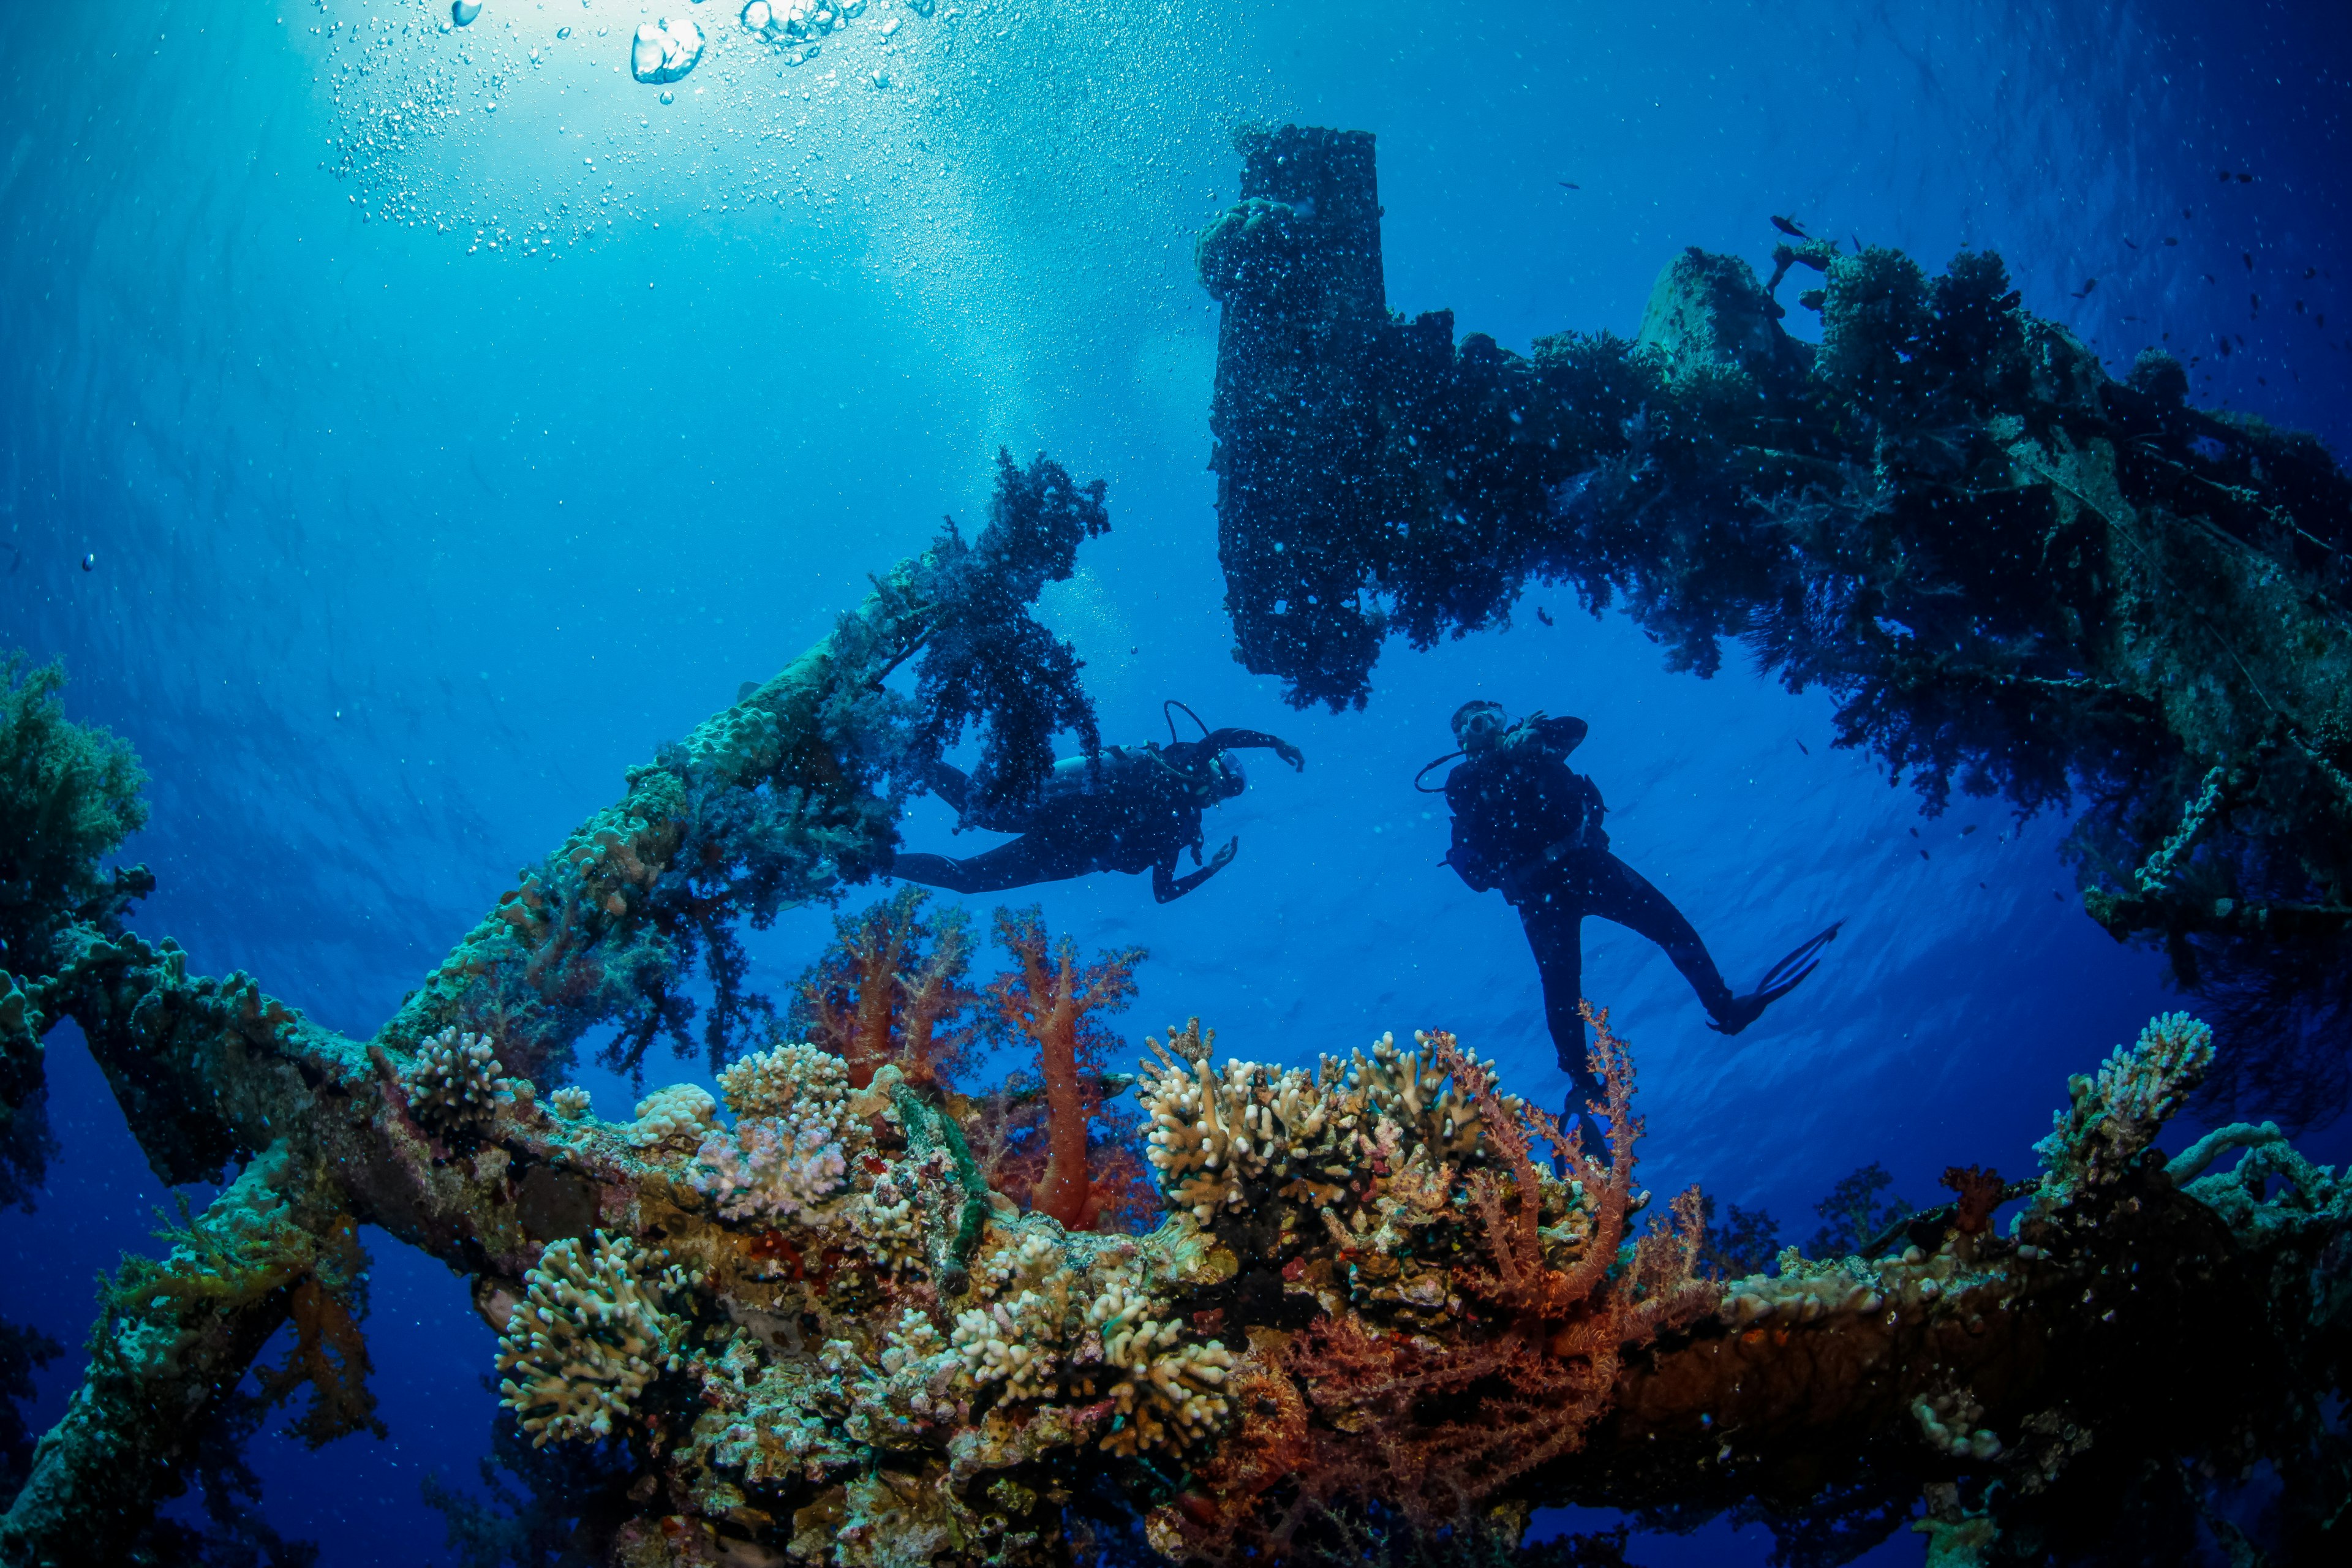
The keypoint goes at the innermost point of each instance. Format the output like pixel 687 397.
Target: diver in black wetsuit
pixel 1126 808
pixel 1524 823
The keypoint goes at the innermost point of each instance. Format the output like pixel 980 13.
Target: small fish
pixel 1857 245
pixel 1801 746
pixel 2245 179
pixel 2253 304
pixel 1923 854
pixel 2132 243
pixel 2223 175
pixel 2171 240
pixel 1971 828
pixel 2084 291
pixel 2250 259
pixel 2309 273
pixel 2059 897
pixel 2298 306
pixel 1543 614
pixel 2185 213
pixel 1569 185
pixel 1789 226
pixel 1915 833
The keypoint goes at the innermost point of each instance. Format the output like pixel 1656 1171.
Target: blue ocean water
pixel 392 478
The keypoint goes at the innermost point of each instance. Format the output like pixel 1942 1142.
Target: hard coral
pixel 791 1145
pixel 1509 1304
pixel 591 1336
pixel 2117 1113
pixel 454 1084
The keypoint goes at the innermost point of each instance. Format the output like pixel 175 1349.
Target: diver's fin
pixel 1782 977
pixel 1779 981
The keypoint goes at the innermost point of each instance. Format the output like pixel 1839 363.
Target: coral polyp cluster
pixel 1238 1136
pixel 589 1337
pixel 454 1080
pixel 792 1143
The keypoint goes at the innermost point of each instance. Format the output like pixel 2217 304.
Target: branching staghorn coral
pixel 589 1337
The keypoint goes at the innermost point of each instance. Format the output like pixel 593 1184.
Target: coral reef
pixel 2015 573
pixel 1366 1298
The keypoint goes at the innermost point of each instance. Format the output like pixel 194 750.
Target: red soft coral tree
pixel 1093 1176
pixel 891 989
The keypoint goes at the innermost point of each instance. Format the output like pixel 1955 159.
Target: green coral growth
pixel 68 797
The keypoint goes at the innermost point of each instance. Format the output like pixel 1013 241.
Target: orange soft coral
pixel 891 990
pixel 1051 1000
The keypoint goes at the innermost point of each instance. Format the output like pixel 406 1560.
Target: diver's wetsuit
pixel 1525 823
pixel 1128 808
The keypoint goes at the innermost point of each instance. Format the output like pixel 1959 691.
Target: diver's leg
pixel 950 783
pixel 1621 894
pixel 1554 926
pixel 1015 865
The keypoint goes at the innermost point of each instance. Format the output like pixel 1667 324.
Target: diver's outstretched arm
pixel 1245 740
pixel 1167 886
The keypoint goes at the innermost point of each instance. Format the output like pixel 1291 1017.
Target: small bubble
pixel 562 32
pixel 89 561
pixel 669 96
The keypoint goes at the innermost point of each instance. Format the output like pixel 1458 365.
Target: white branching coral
pixel 1171 1396
pixel 1234 1136
pixel 676 1117
pixel 590 1336
pixel 454 1082
pixel 571 1103
pixel 791 1149
pixel 1016 1339
pixel 2118 1113
pixel 786 1079
pixel 1048 1330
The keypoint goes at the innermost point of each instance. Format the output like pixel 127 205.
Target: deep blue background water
pixel 404 547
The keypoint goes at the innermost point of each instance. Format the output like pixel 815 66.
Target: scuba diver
pixel 1125 808
pixel 1524 823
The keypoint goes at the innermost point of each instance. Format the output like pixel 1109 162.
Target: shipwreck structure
pixel 853 1312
